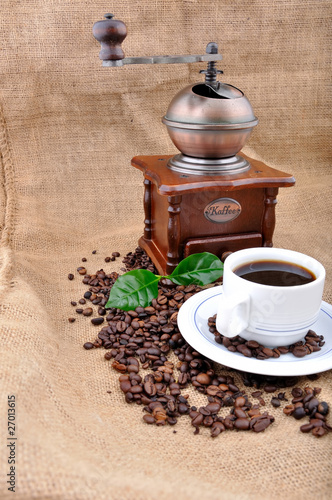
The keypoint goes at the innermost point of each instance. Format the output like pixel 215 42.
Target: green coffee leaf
pixel 138 288
pixel 197 269
pixel 133 289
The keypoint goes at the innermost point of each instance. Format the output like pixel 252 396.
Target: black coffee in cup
pixel 275 273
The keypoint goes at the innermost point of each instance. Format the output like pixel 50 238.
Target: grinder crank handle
pixel 110 33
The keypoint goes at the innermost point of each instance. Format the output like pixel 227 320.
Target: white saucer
pixel 193 324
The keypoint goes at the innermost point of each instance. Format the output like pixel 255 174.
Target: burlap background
pixel 69 129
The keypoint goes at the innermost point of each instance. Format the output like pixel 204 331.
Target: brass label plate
pixel 222 210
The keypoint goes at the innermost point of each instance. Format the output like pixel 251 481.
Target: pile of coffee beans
pixel 306 404
pixel 252 349
pixel 138 260
pixel 157 366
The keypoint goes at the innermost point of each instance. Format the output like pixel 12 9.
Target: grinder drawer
pixel 220 244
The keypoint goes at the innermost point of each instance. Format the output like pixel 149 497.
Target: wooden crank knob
pixel 110 33
pixel 225 255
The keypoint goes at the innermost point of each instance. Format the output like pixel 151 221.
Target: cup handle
pixel 233 314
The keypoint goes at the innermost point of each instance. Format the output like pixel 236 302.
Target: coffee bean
pixel 132 369
pixel 81 270
pixel 253 412
pixel 204 411
pixel 159 412
pixel 239 401
pixel 136 389
pixel 270 388
pixel 183 408
pixel 213 407
pixel 97 321
pixel 297 392
pixel 233 387
pixel 323 408
pixel 208 421
pixel 267 351
pixel 132 361
pixel 120 367
pixel 183 379
pixel 150 388
pixel 317 422
pixel 212 390
pixel 243 349
pixel 88 345
pixel 149 419
pixel 217 428
pixel 312 404
pixel 227 342
pixel 241 424
pixel 308 397
pixel 318 431
pixel 125 385
pixel 121 326
pixel 300 351
pixel 154 351
pixel 203 378
pixel 318 415
pixel 229 422
pixel 306 427
pixel 283 349
pixel 71 320
pixel 88 311
pixel 289 409
pixel 299 413
pixel 261 425
pixel 197 420
pixel 239 413
pixel 252 344
pixel 115 254
pixel 70 276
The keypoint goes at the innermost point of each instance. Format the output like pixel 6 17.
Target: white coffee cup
pixel 271 315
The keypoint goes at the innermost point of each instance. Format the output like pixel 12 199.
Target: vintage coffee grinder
pixel 210 197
